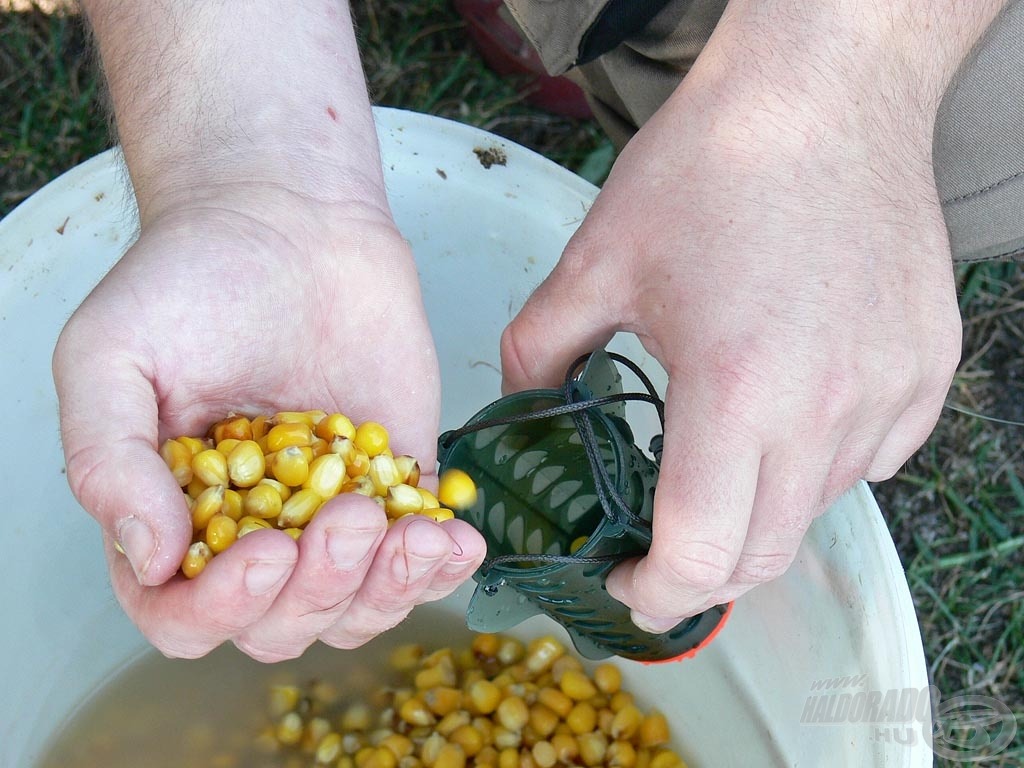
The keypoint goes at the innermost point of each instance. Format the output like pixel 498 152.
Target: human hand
pixel 776 243
pixel 255 300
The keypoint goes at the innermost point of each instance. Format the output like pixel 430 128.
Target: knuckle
pixel 266 654
pixel 757 568
pixel 702 566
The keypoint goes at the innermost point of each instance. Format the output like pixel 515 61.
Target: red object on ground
pixel 507 53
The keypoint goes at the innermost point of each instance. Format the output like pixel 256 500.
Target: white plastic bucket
pixel 483 237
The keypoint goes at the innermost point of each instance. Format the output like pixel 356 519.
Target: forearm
pixel 207 93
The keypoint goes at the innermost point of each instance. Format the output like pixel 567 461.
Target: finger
pixel 468 551
pixel 413 551
pixel 702 508
pixel 335 552
pixel 108 414
pixel 569 314
pixel 188 618
pixel 908 433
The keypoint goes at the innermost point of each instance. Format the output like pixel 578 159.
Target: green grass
pixel 956 511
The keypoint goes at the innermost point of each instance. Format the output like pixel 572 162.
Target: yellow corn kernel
pixel 513 713
pixel 381 757
pixel 246 464
pixel 555 700
pixel 504 738
pixel 359 465
pixel 208 504
pixel 619 700
pixel 282 699
pixel 335 425
pixel 382 473
pixel 289 729
pixel 227 445
pixel 508 758
pixel 398 745
pixel 452 722
pixel 356 717
pixel 564 663
pixel 221 533
pixel 541 653
pixel 290 465
pixel 543 720
pixel 284 435
pixel 233 504
pixel 608 678
pixel 653 730
pixel 485 696
pixel 248 524
pixel 450 756
pixel 195 488
pixel 621 754
pixel 263 501
pixel 234 426
pixel 406 657
pixel 195 560
pixel 566 748
pixel 666 758
pixel 577 544
pixel 576 685
pixel 582 719
pixel 544 754
pixel 294 417
pixel 442 672
pixel 178 458
pixel 326 475
pixel 319 447
pixel 486 645
pixel 415 712
pixel 443 699
pixel 626 722
pixel 210 466
pixel 295 533
pixel 282 490
pixel 329 748
pixel 408 469
pixel 299 509
pixel 429 500
pixel 195 444
pixel 438 515
pixel 509 651
pixel 593 747
pixel 469 738
pixel 371 438
pixel 456 489
pixel 486 758
pixel 344 447
pixel 259 427
pixel 402 499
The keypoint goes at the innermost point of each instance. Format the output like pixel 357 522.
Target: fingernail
pixel 348 547
pixel 137 542
pixel 261 576
pixel 654 625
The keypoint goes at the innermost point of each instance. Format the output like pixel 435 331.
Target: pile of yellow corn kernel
pixel 496 704
pixel 277 471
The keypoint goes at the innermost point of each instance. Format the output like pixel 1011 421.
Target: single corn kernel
pixel 178 458
pixel 666 758
pixel 289 729
pixel 237 427
pixel 485 696
pixel 653 730
pixel 371 438
pixel 406 657
pixel 582 719
pixel 577 544
pixel 196 558
pixel 555 700
pixel 450 756
pixel 408 469
pixel 626 722
pixel 208 504
pixel 228 445
pixel 439 515
pixel 402 499
pixel 335 425
pixel 290 465
pixel 195 488
pixel 456 489
pixel 469 738
pixel 442 699
pixel 543 720
pixel 486 645
pixel 262 501
pixel 248 524
pixel 319 447
pixel 233 505
pixel 282 700
pixel 608 678
pixel 326 475
pixel 329 748
pixel 284 435
pixel 316 729
pixel 452 722
pixel 620 699
pixel 295 533
pixel 621 754
pixel 221 533
pixel 544 754
pixel 246 464
pixel 593 747
pixel 210 466
pixel 344 447
pixel 508 758
pixel 513 713
pixel 576 685
pixel 294 417
pixel 566 747
pixel 259 427
pixel 195 445
pixel 382 473
pixel 299 509
pixel 415 712
pixel 283 490
pixel 359 465
pixel 509 651
pixel 542 653
pixel 400 746
pixel 429 500
pixel 357 717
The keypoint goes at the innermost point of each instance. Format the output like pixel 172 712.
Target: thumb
pixel 568 315
pixel 108 415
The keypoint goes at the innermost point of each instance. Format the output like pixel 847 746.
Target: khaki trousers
pixel 979 133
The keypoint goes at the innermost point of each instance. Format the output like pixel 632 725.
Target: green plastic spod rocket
pixel 564 494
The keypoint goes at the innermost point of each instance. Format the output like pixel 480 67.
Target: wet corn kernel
pixel 576 685
pixel 607 678
pixel 221 532
pixel 371 438
pixel 456 489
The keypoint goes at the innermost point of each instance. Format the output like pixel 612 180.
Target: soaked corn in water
pixel 495 703
pixel 277 471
